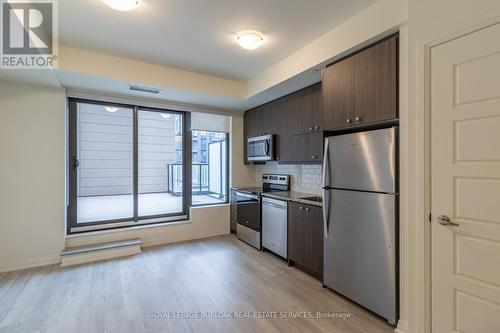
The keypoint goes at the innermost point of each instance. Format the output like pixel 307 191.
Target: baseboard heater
pixel 96 252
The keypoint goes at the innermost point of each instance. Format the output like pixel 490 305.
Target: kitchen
pixel 328 198
pixel 235 166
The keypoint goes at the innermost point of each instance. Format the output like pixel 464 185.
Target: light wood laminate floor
pixel 210 276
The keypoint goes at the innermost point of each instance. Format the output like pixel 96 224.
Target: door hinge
pixel 430 217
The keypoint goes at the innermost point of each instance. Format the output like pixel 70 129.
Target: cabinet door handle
pixel 316 128
pixel 314 157
pixel 308 209
pixel 358 118
pixel 310 129
pixel 301 208
pixel 348 120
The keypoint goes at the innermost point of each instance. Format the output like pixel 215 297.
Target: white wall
pixel 240 174
pixel 32 188
pixel 32 167
pixel 205 222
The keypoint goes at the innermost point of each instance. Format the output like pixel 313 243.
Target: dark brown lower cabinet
pixel 305 238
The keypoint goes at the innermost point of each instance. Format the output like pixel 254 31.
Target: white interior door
pixel 465 171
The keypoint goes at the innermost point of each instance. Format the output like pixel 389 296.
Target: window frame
pixel 73 227
pixel 226 176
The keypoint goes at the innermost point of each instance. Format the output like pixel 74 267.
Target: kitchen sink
pixel 315 199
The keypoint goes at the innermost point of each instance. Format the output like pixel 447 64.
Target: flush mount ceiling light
pixel 122 5
pixel 111 109
pixel 165 115
pixel 249 40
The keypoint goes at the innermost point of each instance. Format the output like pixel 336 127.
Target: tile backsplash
pixel 304 178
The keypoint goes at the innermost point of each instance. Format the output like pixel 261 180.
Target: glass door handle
pixel 76 163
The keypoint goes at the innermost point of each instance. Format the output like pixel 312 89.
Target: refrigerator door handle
pixel 326 164
pixel 326 201
pixel 326 211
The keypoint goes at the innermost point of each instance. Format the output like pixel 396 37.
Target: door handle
pixel 76 163
pixel 445 220
pixel 326 166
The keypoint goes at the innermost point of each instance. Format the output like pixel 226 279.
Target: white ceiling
pixel 197 35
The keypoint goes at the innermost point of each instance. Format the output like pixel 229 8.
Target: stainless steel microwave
pixel 260 148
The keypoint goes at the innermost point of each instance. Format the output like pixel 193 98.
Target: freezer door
pixel 362 161
pixel 360 250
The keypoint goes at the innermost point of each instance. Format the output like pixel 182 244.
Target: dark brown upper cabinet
pixel 267 119
pixel 260 121
pixel 285 120
pixel 308 114
pixel 362 88
pixel 296 122
pixel 375 83
pixel 252 124
pixel 338 94
pixel 308 147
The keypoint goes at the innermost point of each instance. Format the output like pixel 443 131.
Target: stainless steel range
pixel 246 208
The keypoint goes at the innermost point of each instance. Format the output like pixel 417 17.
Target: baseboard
pixel 31 263
pixel 105 254
pixel 402 327
pixel 56 259
pixel 162 241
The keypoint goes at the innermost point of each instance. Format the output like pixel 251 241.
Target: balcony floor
pixel 113 207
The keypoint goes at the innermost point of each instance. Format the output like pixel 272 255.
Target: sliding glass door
pixel 126 165
pixel 160 163
pixel 210 152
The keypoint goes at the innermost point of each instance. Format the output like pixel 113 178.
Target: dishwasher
pixel 275 226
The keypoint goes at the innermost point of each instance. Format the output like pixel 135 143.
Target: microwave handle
pixel 266 147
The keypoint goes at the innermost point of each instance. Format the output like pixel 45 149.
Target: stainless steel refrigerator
pixel 360 219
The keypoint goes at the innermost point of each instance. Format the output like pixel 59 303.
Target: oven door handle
pixel 247 195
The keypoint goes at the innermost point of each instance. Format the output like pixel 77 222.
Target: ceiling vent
pixel 147 90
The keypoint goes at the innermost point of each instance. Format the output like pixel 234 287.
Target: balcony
pixel 119 206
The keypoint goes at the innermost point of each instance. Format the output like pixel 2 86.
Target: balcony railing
pixel 200 179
